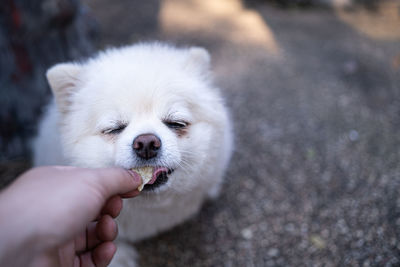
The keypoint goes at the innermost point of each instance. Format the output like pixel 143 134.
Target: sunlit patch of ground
pixel 226 19
pixel 381 24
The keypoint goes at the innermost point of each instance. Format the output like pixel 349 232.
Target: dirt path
pixel 315 99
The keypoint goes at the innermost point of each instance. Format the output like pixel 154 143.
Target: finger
pixel 115 181
pixel 106 229
pixel 64 254
pixel 85 260
pixel 88 239
pixel 131 194
pixel 113 206
pixel 80 241
pixel 92 240
pixel 103 254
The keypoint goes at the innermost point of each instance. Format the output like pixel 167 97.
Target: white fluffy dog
pixel 142 105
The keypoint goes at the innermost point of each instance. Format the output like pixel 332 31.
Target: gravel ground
pixel 314 96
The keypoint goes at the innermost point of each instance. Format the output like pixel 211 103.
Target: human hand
pixel 63 216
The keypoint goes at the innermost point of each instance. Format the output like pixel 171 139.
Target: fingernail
pixel 135 176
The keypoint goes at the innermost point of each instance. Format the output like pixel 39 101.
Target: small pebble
pixel 273 252
pixel 318 242
pixel 353 135
pixel 247 233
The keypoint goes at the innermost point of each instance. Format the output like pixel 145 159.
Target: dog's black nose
pixel 146 146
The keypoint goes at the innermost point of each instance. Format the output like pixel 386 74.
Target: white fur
pixel 141 85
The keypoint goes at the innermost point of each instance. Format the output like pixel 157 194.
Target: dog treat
pixel 146 173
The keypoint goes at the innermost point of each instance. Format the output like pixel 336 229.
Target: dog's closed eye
pixel 115 129
pixel 178 126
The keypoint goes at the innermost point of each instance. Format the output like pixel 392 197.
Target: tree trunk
pixel 34 34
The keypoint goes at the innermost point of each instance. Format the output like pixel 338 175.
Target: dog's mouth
pixel 160 177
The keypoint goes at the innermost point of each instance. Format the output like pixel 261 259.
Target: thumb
pixel 116 181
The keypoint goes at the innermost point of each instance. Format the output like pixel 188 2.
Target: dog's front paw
pixel 125 256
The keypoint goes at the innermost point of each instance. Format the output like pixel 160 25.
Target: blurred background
pixel 313 87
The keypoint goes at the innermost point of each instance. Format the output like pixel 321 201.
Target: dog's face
pixel 140 106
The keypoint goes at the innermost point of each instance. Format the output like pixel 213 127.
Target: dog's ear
pixel 198 60
pixel 64 81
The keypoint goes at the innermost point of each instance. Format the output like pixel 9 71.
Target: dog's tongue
pixel 156 172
